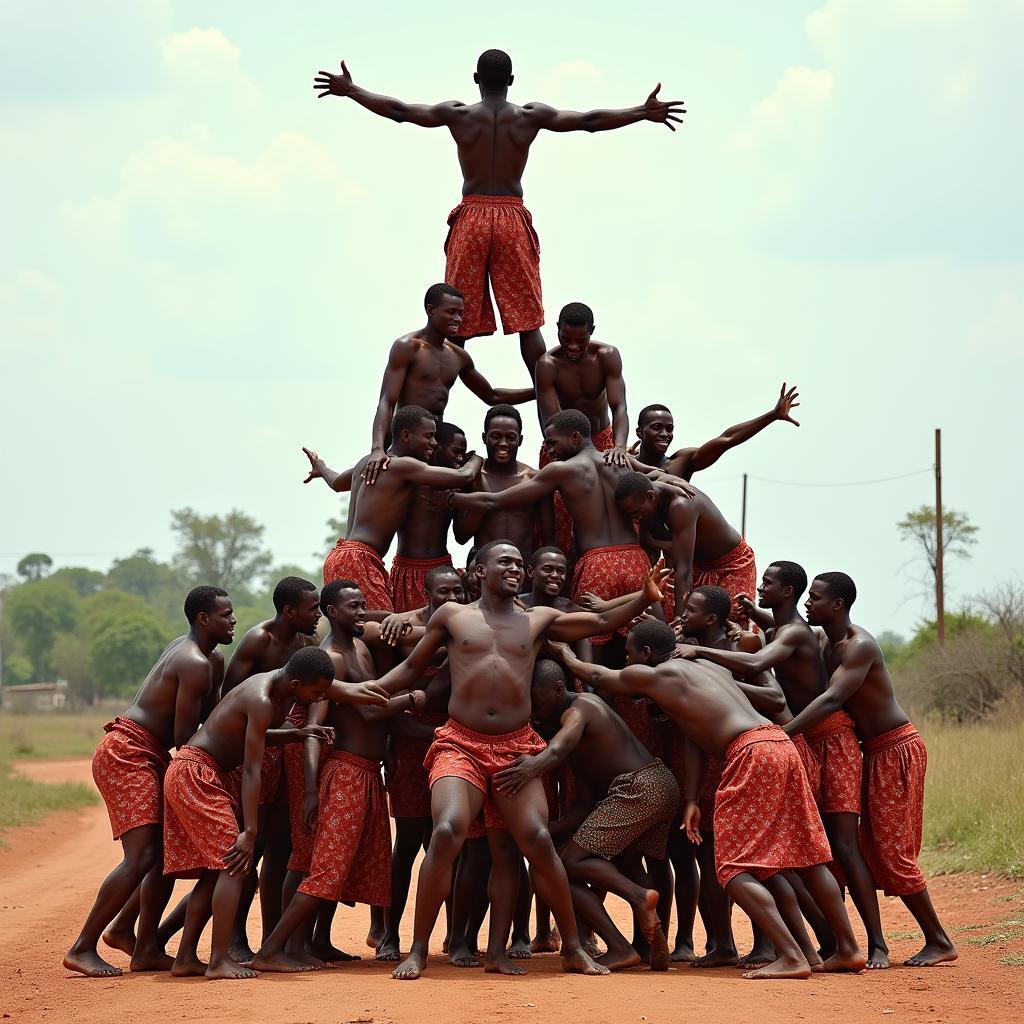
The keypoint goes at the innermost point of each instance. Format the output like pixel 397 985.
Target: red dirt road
pixel 49 874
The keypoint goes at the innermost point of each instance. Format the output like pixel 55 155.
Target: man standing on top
pixel 491 234
pixel 423 366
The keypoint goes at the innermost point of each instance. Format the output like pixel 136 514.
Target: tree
pixel 124 650
pixel 957 536
pixel 34 566
pixel 337 526
pixel 38 613
pixel 71 659
pixel 141 574
pixel 224 551
pixel 82 581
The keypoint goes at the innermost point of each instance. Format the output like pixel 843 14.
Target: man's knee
pixel 448 836
pixel 535 842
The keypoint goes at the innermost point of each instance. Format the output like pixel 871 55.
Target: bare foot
pixel 151 960
pixel 520 948
pixel 240 951
pixel 548 943
pixel 878 958
pixel 620 960
pixel 852 961
pixel 91 964
pixel 501 964
pixel 932 953
pixel 388 951
pixel 411 968
pixel 280 963
pixel 460 955
pixel 755 958
pixel 228 970
pixel 647 916
pixel 124 941
pixel 581 962
pixel 659 951
pixel 590 946
pixel 374 938
pixel 682 954
pixel 191 968
pixel 717 958
pixel 781 968
pixel 312 963
pixel 330 954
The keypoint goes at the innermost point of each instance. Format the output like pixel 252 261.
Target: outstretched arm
pixel 689 460
pixel 627 681
pixel 546 377
pixel 319 470
pixel 404 675
pixel 481 387
pixel 779 650
pixel 440 477
pixel 525 493
pixel 426 115
pixel 858 658
pixel 653 109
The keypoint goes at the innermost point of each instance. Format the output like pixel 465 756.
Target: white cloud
pixel 800 92
pixel 206 57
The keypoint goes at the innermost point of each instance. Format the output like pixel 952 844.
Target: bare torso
pixel 518 524
pixel 377 512
pixel 581 384
pixel 154 705
pixel 493 140
pixel 431 373
pixel 356 729
pixel 873 707
pixel 424 533
pixel 802 675
pixel 260 650
pixel 714 537
pixel 588 490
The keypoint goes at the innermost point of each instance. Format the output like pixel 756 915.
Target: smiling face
pixel 221 621
pixel 549 572
pixel 562 445
pixel 502 440
pixel 421 441
pixel 657 431
pixel 502 571
pixel 446 316
pixel 574 341
pixel 348 611
pixel 453 454
pixel 305 614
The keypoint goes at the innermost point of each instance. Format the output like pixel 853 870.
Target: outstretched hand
pixel 316 466
pixel 657 581
pixel 664 111
pixel 333 85
pixel 786 404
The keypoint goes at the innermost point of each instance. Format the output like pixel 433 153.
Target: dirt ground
pixel 49 874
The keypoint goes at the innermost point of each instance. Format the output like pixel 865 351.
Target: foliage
pixel 958 535
pixel 224 551
pixel 124 650
pixel 81 580
pixel 38 612
pixel 141 574
pixel 71 659
pixel 337 526
pixel 34 566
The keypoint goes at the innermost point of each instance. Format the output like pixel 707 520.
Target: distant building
pixel 36 696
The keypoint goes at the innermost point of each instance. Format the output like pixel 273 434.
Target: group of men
pixel 563 720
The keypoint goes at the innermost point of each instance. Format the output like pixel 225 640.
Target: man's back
pixel 608 747
pixel 588 490
pixel 493 139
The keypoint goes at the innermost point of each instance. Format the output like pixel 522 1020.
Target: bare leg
pixel 411 836
pixel 321 945
pixel 121 932
pixel 813 916
pixel 756 902
pixel 715 911
pixel 520 947
pixel 845 842
pixel 824 890
pixel 241 951
pixel 789 910
pixel 938 947
pixel 226 893
pixel 531 347
pixel 141 851
pixel 272 955
pixel 173 922
pixel 761 952
pixel 683 855
pixel 469 902
pixel 526 815
pixel 155 891
pixel 200 904
pixel 454 803
pixel 506 877
pixel 297 945
pixel 592 913
pixel 545 939
pixel 276 852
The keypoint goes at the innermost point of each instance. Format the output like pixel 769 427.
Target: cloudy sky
pixel 204 266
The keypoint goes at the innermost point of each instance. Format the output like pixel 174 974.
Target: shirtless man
pixel 423 537
pixel 546 573
pixel 894 760
pixel 655 429
pixel 352 844
pixel 422 368
pixel 526 526
pixel 705 549
pixel 201 834
pixel 128 768
pixel 793 654
pixel 491 233
pixel 637 798
pixel 265 647
pixel 579 373
pixel 765 818
pixel 492 646
pixel 376 513
pixel 611 563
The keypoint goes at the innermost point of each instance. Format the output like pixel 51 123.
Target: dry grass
pixel 51 736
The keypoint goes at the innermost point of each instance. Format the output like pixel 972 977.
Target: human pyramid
pixel 630 730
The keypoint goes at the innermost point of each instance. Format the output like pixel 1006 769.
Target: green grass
pixel 1012 960
pixel 974 817
pixel 23 801
pixel 51 736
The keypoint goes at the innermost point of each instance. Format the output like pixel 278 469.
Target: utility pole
pixel 743 517
pixel 940 603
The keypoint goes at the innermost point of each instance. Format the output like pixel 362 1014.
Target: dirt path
pixel 49 874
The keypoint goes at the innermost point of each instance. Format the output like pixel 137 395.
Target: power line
pixel 847 483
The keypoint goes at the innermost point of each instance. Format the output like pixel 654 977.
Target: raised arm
pixel 481 387
pixel 572 626
pixel 319 470
pixel 399 359
pixel 426 115
pixel 858 657
pixel 662 111
pixel 688 461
